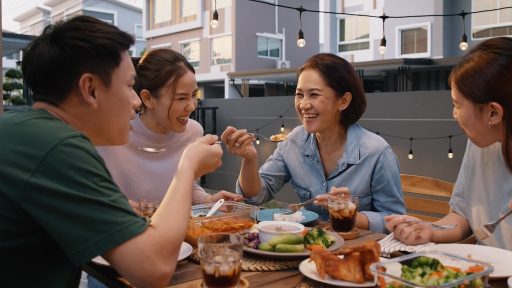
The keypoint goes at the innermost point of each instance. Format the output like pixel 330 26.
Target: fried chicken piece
pixel 348 269
pixel 370 252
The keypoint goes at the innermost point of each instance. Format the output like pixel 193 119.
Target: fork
pixel 434 225
pixel 296 207
pixel 484 231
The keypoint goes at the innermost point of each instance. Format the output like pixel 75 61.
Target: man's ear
pixel 147 99
pixel 88 87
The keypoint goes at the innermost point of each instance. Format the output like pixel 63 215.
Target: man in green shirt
pixel 59 206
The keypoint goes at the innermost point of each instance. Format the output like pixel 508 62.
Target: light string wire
pixel 302 9
pixel 382 48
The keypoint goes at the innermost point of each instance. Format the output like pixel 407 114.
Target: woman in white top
pixel 482 98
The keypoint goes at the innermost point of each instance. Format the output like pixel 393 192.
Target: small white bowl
pixel 509 282
pixel 270 229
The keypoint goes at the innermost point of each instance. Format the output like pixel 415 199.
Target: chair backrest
pixel 426 198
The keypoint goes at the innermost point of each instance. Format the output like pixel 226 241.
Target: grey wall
pixel 413 114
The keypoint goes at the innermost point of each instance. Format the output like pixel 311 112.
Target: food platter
pixel 308 269
pixel 499 258
pixel 185 251
pixel 279 255
pixel 267 215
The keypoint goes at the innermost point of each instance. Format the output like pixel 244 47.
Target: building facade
pixel 249 36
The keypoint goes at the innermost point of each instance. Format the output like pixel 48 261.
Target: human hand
pixel 203 156
pixel 135 206
pixel 409 230
pixel 321 200
pixel 223 194
pixel 239 142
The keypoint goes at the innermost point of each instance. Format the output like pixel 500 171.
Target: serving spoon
pixel 215 207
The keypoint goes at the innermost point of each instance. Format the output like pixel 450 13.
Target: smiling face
pixel 117 104
pixel 317 104
pixel 171 110
pixel 473 119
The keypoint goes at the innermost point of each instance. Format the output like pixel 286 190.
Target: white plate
pixel 499 258
pixel 185 251
pixel 279 255
pixel 308 269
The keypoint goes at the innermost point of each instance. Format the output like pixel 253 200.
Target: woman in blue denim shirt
pixel 328 151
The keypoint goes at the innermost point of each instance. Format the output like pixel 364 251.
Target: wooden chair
pixel 426 198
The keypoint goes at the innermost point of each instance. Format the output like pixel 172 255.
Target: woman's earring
pixel 491 124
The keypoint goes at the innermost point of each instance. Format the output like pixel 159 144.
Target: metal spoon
pixel 215 207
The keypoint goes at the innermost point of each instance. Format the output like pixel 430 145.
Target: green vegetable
pixel 317 236
pixel 289 248
pixel 286 239
pixel 265 247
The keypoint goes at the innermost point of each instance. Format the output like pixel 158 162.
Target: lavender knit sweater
pixel 144 175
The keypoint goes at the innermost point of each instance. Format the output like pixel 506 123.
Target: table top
pixel 188 273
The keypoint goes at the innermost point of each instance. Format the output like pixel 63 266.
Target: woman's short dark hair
pixel 341 77
pixel 55 61
pixel 159 66
pixel 484 75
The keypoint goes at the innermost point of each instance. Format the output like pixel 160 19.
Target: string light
pixel 382 47
pixel 282 123
pixel 450 151
pixel 215 18
pixel 411 155
pixel 257 137
pixel 464 42
pixel 301 42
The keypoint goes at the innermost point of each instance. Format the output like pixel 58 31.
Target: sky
pixel 12 8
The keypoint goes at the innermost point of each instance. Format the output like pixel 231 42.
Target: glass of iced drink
pixel 342 212
pixel 220 256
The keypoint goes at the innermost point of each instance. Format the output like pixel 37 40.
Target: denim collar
pixel 309 148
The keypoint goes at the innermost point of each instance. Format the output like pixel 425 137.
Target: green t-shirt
pixel 59 206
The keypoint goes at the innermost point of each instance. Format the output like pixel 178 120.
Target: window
pixel 353 34
pixel 162 11
pixel 191 51
pixel 221 50
pixel 189 8
pixel 269 47
pixel 491 23
pixel 414 41
pixel 138 31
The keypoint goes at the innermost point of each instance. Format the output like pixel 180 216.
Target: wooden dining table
pixel 188 273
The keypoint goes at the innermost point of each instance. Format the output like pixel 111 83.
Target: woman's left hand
pixel 223 194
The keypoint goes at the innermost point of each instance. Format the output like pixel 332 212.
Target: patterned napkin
pixel 389 245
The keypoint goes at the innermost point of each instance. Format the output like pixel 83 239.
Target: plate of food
pixel 185 251
pixel 347 270
pixel 302 216
pixel 499 258
pixel 289 245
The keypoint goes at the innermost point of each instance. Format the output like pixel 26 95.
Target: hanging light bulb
pixel 257 140
pixel 411 155
pixel 282 123
pixel 215 20
pixel 464 42
pixel 450 151
pixel 300 40
pixel 382 47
